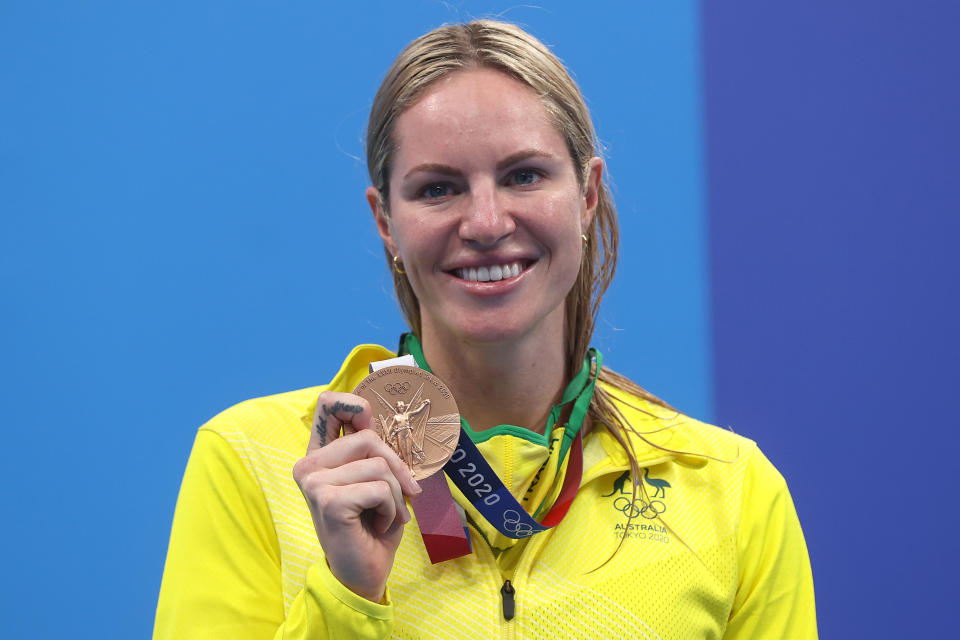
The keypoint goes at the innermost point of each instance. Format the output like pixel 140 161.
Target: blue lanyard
pixel 480 484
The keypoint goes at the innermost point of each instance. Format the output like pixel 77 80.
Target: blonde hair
pixel 507 48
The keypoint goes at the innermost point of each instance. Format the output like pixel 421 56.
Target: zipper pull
pixel 507 591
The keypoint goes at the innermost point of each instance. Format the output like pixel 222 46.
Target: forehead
pixel 479 110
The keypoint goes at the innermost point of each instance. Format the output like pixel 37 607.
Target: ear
pixel 382 220
pixel 591 191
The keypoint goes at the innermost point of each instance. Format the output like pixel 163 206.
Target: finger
pixel 334 410
pixel 372 496
pixel 364 444
pixel 367 470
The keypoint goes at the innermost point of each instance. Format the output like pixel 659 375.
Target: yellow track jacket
pixel 714 549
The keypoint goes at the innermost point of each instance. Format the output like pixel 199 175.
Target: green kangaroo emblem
pixel 618 485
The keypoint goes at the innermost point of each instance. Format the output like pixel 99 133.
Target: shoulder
pixel 727 470
pixel 279 416
pixel 651 426
pixel 728 467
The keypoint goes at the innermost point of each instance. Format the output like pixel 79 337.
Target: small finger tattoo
pixel 339 406
pixel 329 411
pixel 322 430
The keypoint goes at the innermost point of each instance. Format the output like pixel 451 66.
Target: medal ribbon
pixel 485 490
pixel 480 484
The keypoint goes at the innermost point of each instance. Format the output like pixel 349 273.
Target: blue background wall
pixel 181 189
pixel 182 195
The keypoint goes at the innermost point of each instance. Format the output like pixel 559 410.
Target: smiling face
pixel 485 210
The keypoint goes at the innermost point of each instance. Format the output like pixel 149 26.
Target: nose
pixel 486 219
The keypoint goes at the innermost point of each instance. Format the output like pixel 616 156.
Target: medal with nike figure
pixel 414 413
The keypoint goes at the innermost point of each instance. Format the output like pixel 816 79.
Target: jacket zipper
pixel 481 549
pixel 508 592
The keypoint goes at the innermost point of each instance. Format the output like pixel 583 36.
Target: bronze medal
pixel 414 413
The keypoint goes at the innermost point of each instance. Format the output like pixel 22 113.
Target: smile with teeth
pixel 490 274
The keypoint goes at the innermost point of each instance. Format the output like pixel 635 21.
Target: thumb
pixel 335 412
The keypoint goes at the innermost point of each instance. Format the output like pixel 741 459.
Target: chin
pixel 492 327
pixel 489 335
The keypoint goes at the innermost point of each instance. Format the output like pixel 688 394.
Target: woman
pixel 489 197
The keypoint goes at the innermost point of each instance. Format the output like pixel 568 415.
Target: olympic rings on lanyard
pixel 512 523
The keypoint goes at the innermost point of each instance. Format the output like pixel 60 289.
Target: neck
pixel 505 383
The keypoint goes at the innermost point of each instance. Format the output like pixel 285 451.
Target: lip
pixel 491 287
pixel 488 261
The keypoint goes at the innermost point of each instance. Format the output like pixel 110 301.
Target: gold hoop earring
pixel 397 266
pixel 585 240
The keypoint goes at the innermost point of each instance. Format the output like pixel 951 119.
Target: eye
pixel 436 190
pixel 523 177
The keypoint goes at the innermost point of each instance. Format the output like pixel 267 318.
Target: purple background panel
pixel 833 191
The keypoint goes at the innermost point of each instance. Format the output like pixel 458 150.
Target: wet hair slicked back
pixel 507 48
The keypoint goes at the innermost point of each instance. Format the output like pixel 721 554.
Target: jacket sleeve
pixel 222 577
pixel 775 593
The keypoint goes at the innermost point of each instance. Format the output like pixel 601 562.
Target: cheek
pixel 561 222
pixel 421 242
pixel 411 233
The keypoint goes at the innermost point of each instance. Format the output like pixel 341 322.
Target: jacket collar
pixel 661 432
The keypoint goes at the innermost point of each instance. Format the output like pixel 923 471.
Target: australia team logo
pixel 640 506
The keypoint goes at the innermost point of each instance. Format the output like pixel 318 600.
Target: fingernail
pixel 417 489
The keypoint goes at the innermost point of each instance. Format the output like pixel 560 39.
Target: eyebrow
pixel 432 167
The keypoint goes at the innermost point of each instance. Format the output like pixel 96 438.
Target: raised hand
pixel 354 486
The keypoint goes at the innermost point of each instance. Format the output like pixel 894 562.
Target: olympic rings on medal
pixel 511 523
pixel 397 388
pixel 638 507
